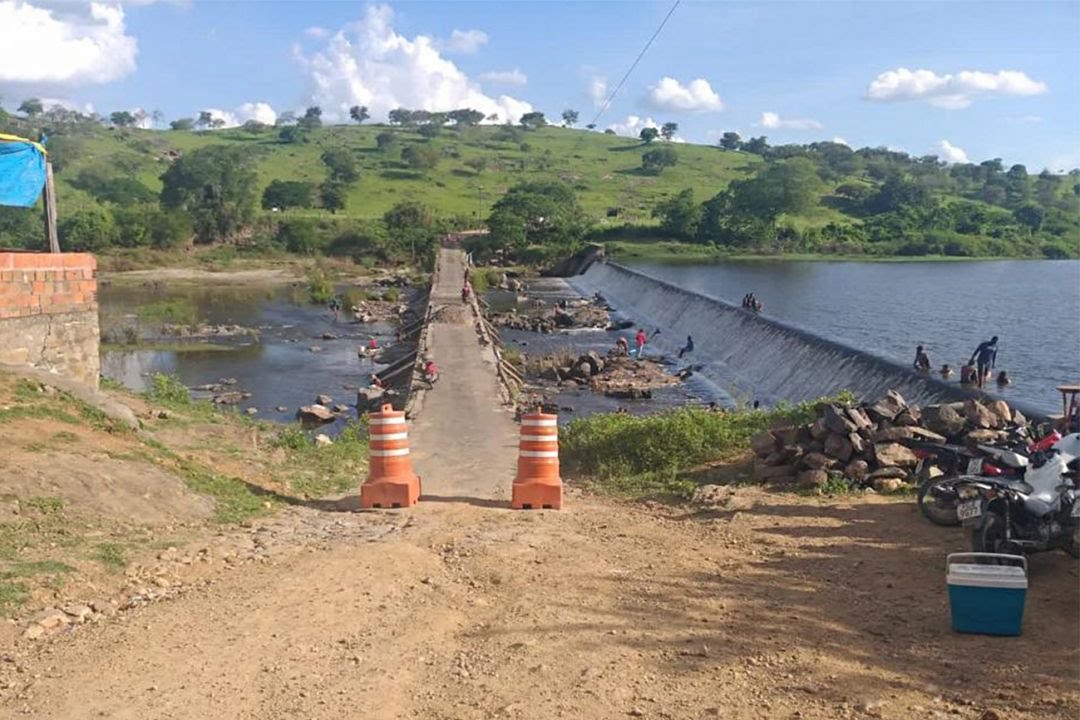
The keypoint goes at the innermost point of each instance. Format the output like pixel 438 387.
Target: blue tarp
pixel 22 171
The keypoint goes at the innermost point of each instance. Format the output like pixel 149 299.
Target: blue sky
pixel 956 79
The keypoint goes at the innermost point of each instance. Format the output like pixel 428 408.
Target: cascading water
pixel 751 356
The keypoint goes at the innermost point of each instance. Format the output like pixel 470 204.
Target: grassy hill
pixel 870 201
pixel 604 170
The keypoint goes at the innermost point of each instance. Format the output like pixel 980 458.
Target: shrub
pixel 168 389
pixel 90 229
pixel 320 287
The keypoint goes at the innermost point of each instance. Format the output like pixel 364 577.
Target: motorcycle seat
pixel 1039 505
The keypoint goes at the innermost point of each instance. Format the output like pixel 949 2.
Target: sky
pixel 963 81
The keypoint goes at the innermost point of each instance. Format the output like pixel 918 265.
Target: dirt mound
pixel 127 490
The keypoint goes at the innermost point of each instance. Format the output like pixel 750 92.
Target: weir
pixel 750 356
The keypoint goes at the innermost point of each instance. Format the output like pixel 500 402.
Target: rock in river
pixel 315 413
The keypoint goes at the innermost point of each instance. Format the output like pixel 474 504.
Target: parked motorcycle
pixel 1039 512
pixel 937 494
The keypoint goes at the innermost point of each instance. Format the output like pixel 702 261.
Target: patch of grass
pixel 177 347
pixel 311 471
pixel 65 437
pixel 111 555
pixel 40 412
pixel 36 567
pixel 320 287
pixel 107 383
pixel 629 454
pixel 12 595
pixel 178 310
pixel 168 389
pixel 46 505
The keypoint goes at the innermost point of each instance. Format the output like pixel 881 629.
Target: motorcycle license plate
pixel 969 509
pixel 974 466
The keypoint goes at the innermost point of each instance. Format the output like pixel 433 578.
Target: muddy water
pixel 278 366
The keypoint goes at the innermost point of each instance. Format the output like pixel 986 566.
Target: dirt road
pixel 765 606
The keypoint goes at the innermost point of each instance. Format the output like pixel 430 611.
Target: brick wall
pixel 48 313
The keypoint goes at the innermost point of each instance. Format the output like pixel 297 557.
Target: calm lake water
pixel 948 307
pixel 278 368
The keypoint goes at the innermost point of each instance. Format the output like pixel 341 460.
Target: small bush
pixel 168 389
pixel 320 288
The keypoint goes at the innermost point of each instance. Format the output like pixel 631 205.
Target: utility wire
pixel 618 87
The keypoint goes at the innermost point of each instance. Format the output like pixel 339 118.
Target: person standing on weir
pixel 984 357
pixel 922 361
pixel 688 347
pixel 640 341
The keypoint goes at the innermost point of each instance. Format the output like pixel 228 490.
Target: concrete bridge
pixel 464 439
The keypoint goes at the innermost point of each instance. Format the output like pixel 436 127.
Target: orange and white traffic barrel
pixel 538 485
pixel 391 481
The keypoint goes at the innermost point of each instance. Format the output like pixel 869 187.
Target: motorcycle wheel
pixel 937 501
pixel 989 535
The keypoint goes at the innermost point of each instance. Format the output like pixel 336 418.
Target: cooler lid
pixel 999 576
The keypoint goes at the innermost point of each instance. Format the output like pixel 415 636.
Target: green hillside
pixel 745 197
pixel 604 170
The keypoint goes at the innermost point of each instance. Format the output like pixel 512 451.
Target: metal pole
pixel 50 210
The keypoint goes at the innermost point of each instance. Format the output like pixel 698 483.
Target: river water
pixel 887 308
pixel 278 367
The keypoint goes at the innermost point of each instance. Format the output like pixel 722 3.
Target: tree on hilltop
pixel 359 113
pixel 730 141
pixel 31 107
pixel 668 130
pixel 312 118
pixel 122 118
pixel 648 134
pixel 569 117
pixel 182 124
pixel 532 120
pixel 654 161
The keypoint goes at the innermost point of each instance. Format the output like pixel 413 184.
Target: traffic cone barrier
pixel 391 481
pixel 537 484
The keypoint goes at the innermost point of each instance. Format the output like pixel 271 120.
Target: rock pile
pixel 865 445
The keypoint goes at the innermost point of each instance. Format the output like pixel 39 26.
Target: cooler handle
pixel 949 559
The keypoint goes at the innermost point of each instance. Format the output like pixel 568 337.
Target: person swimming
pixel 946 371
pixel 1003 379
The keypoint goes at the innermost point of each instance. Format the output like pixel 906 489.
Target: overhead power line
pixel 644 50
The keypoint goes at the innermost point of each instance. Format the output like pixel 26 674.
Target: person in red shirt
pixel 431 372
pixel 640 340
pixel 372 343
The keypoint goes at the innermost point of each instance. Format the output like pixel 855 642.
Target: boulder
pixel 315 413
pixel 839 447
pixel 918 433
pixel 888 407
pixel 836 420
pixel 340 408
pixel 857 470
pixel 324 399
pixel 629 393
pixel 1018 418
pixel 1002 410
pixel 322 440
pixel 811 479
pixel 369 399
pixel 910 417
pixel 768 472
pixel 894 455
pixel 893 434
pixel 859 417
pixel 228 398
pixel 763 443
pixel 979 416
pixel 778 457
pixel 583 370
pixel 596 363
pixel 983 435
pixel 787 436
pixel 818 431
pixel 887 472
pixel 818 461
pixel 888 484
pixel 858 445
pixel 943 419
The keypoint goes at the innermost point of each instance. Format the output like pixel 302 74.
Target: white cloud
pixel 505 77
pixel 368 63
pixel 671 95
pixel 258 111
pixel 64 44
pixel 773 121
pixel 841 141
pixel 316 32
pixel 633 125
pixel 950 153
pixel 67 104
pixel 465 42
pixel 598 90
pixel 950 91
pixel 1026 120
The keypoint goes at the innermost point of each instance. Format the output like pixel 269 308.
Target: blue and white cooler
pixel 987 592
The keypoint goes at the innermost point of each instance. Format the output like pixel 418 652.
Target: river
pixel 887 308
pixel 287 364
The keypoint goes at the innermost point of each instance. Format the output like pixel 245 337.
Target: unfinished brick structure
pixel 49 313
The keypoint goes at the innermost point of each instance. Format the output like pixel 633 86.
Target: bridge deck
pixel 464 442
